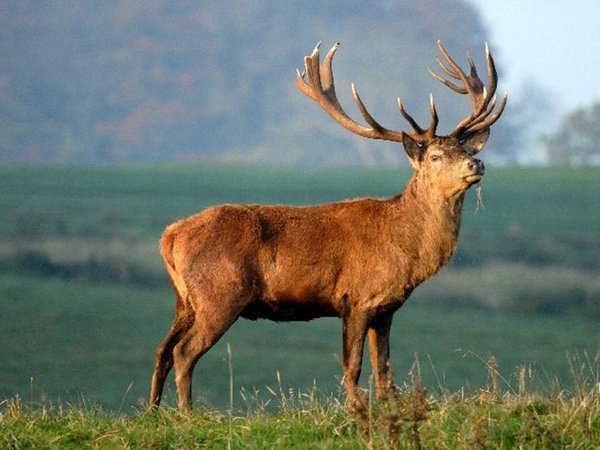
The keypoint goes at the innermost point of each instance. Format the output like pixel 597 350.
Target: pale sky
pixel 555 43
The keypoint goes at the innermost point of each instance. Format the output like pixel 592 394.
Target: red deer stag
pixel 358 260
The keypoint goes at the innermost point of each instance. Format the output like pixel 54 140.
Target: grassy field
pixel 84 303
pixel 80 342
pixel 488 418
pixel 538 216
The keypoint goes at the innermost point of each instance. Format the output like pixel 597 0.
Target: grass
pixel 516 287
pixel 84 303
pixel 147 198
pixel 64 340
pixel 484 418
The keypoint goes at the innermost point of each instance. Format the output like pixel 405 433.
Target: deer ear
pixel 413 150
pixel 476 142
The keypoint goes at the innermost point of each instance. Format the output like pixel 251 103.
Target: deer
pixel 358 260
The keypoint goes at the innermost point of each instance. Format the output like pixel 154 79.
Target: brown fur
pixel 358 260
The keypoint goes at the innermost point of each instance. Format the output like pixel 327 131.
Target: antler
pixel 316 82
pixel 482 98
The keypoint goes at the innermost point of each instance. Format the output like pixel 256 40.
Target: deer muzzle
pixel 477 169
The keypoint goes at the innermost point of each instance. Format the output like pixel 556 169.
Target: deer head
pixel 448 161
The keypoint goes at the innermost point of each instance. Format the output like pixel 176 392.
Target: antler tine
pixel 450 84
pixel 482 97
pixel 492 73
pixel 317 83
pixel 456 71
pixel 413 123
pixel 434 116
pixel 326 74
pixel 327 68
pixel 420 133
pixel 489 120
pixel 446 69
pixel 484 114
pixel 311 64
pixel 472 85
pixel 472 67
pixel 363 110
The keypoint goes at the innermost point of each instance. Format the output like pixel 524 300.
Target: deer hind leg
pixel 354 333
pixel 163 358
pixel 379 350
pixel 212 320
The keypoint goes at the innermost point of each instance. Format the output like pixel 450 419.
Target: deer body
pixel 300 263
pixel 358 260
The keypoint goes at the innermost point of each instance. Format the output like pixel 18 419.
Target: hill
pixel 112 82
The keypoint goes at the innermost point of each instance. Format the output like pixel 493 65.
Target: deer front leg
pixel 379 351
pixel 354 333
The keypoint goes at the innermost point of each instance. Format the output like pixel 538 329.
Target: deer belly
pixel 287 310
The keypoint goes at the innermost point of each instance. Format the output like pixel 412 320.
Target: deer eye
pixel 434 158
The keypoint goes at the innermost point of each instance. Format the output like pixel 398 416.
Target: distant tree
pixel 530 110
pixel 577 140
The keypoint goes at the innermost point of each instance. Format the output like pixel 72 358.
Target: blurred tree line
pixel 116 81
pixel 576 141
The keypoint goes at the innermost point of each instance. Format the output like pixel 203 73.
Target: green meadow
pixel 84 301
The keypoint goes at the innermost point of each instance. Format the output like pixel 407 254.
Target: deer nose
pixel 477 166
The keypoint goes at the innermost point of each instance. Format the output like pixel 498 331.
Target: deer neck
pixel 429 202
pixel 431 222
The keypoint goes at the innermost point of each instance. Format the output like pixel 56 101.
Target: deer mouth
pixel 473 179
pixel 476 173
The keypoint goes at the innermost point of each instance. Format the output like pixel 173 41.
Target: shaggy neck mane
pixel 421 194
pixel 433 225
